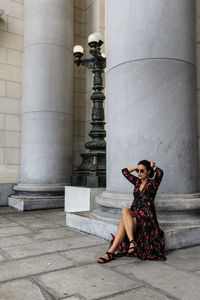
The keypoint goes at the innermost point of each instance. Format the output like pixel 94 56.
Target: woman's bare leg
pixel 117 241
pixel 129 224
pixel 119 237
pixel 126 226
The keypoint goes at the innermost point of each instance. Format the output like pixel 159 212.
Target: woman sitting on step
pixel 138 230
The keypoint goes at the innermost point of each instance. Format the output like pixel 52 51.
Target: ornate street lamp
pixel 92 170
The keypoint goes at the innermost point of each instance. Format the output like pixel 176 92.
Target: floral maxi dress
pixel 149 237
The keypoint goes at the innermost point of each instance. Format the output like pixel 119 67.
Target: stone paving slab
pixel 11 212
pixel 52 217
pixel 31 266
pixel 85 255
pixel 58 219
pixel 15 230
pixel 178 258
pixel 38 248
pixel 74 297
pixel 197 272
pixel 91 281
pixel 4 222
pixel 178 284
pixel 37 223
pixel 14 240
pixel 91 255
pixel 141 293
pixel 22 290
pixel 2 257
pixel 26 215
pixel 51 234
pixel 121 261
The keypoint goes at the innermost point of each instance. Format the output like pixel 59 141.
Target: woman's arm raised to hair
pixel 130 177
pixel 158 177
pixel 131 169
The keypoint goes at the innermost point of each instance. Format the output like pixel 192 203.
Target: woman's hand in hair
pixel 152 163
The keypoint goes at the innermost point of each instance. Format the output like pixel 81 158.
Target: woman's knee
pixel 121 223
pixel 125 211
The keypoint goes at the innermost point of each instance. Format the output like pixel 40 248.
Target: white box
pixel 80 198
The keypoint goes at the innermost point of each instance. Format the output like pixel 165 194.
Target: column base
pixel 171 209
pixel 178 217
pixel 35 196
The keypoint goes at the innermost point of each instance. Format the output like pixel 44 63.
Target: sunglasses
pixel 141 171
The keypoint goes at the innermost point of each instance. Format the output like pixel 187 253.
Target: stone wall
pixel 11 47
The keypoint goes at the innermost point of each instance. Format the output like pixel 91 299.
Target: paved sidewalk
pixel 40 258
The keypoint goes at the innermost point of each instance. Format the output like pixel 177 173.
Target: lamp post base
pixel 92 171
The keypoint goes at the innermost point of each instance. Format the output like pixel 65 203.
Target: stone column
pixel 46 154
pixel 151 104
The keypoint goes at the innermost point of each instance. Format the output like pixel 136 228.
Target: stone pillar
pixel 46 154
pixel 151 105
pixel 150 84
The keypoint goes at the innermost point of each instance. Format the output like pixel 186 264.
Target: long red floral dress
pixel 149 237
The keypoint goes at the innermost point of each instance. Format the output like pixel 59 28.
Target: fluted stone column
pixel 151 105
pixel 46 154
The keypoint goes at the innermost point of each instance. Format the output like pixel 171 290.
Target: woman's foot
pixel 132 247
pixel 108 256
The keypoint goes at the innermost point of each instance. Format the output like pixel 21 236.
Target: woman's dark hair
pixel 147 164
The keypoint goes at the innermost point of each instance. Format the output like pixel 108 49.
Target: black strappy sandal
pixel 111 256
pixel 132 253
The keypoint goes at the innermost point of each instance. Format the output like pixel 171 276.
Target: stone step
pixel 175 236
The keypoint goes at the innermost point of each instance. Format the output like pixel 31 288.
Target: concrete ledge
pixel 175 236
pixel 33 203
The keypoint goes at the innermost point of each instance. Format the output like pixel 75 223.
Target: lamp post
pixel 92 170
